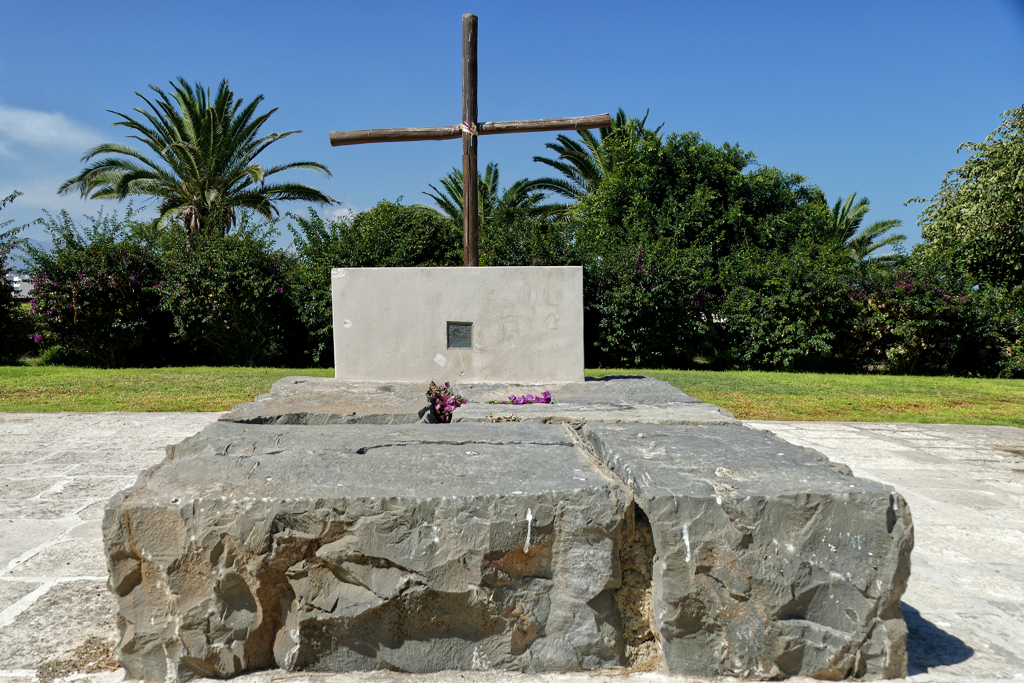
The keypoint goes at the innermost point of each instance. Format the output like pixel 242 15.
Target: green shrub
pixel 514 238
pixel 15 328
pixel 1002 310
pixel 95 294
pixel 229 299
pixel 918 317
pixel 654 234
pixel 646 306
pixel 388 235
pixel 784 310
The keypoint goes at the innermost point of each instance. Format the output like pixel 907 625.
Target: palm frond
pixel 204 165
pixel 844 229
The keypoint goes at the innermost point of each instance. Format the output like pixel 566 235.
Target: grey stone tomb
pixel 326 527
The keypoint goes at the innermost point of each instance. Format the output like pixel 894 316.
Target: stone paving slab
pixel 964 606
pixel 57 471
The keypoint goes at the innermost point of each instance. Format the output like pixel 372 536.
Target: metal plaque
pixel 460 335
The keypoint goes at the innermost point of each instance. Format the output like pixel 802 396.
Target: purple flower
pixel 527 399
pixel 37 338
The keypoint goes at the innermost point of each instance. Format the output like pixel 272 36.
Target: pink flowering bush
pixel 443 401
pixel 920 317
pixel 14 326
pixel 95 294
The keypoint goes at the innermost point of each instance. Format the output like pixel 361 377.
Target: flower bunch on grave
pixel 525 399
pixel 443 401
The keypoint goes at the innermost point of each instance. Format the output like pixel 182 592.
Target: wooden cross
pixel 468 130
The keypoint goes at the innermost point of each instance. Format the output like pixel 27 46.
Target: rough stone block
pixel 771 561
pixel 647 530
pixel 414 548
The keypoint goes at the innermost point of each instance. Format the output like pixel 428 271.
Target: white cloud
pixel 341 213
pixel 42 129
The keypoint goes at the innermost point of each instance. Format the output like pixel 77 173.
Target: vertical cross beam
pixel 468 131
pixel 470 211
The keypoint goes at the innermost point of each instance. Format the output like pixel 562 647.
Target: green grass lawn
pixel 750 395
pixel 851 398
pixel 54 388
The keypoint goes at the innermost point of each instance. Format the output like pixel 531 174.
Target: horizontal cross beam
pixel 359 137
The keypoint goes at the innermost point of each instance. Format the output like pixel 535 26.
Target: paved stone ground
pixel 965 485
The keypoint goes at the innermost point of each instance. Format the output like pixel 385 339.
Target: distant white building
pixel 21 283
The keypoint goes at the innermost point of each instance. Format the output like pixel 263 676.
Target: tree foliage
pixel 14 328
pixel 690 192
pixel 204 170
pixel 844 230
pixel 585 162
pixel 977 217
pixel 96 293
pixel 492 201
pixel 655 231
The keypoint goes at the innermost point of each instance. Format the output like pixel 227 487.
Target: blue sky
pixel 872 97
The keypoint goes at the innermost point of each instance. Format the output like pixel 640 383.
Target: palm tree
pixel 491 200
pixel 586 162
pixel 204 169
pixel 844 229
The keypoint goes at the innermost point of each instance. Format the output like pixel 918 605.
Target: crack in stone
pixel 363 450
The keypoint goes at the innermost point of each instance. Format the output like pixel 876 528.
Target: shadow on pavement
pixel 929 646
pixel 608 378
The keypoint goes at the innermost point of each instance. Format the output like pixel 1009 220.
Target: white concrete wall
pixel 391 323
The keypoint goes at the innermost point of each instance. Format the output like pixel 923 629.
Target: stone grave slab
pixel 646 530
pixel 322 400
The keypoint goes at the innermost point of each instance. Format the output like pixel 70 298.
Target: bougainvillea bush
pixel 96 295
pixel 15 329
pixel 920 317
pixel 229 300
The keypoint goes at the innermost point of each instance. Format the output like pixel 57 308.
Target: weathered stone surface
pixel 414 548
pixel 771 561
pixel 647 530
pixel 320 400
